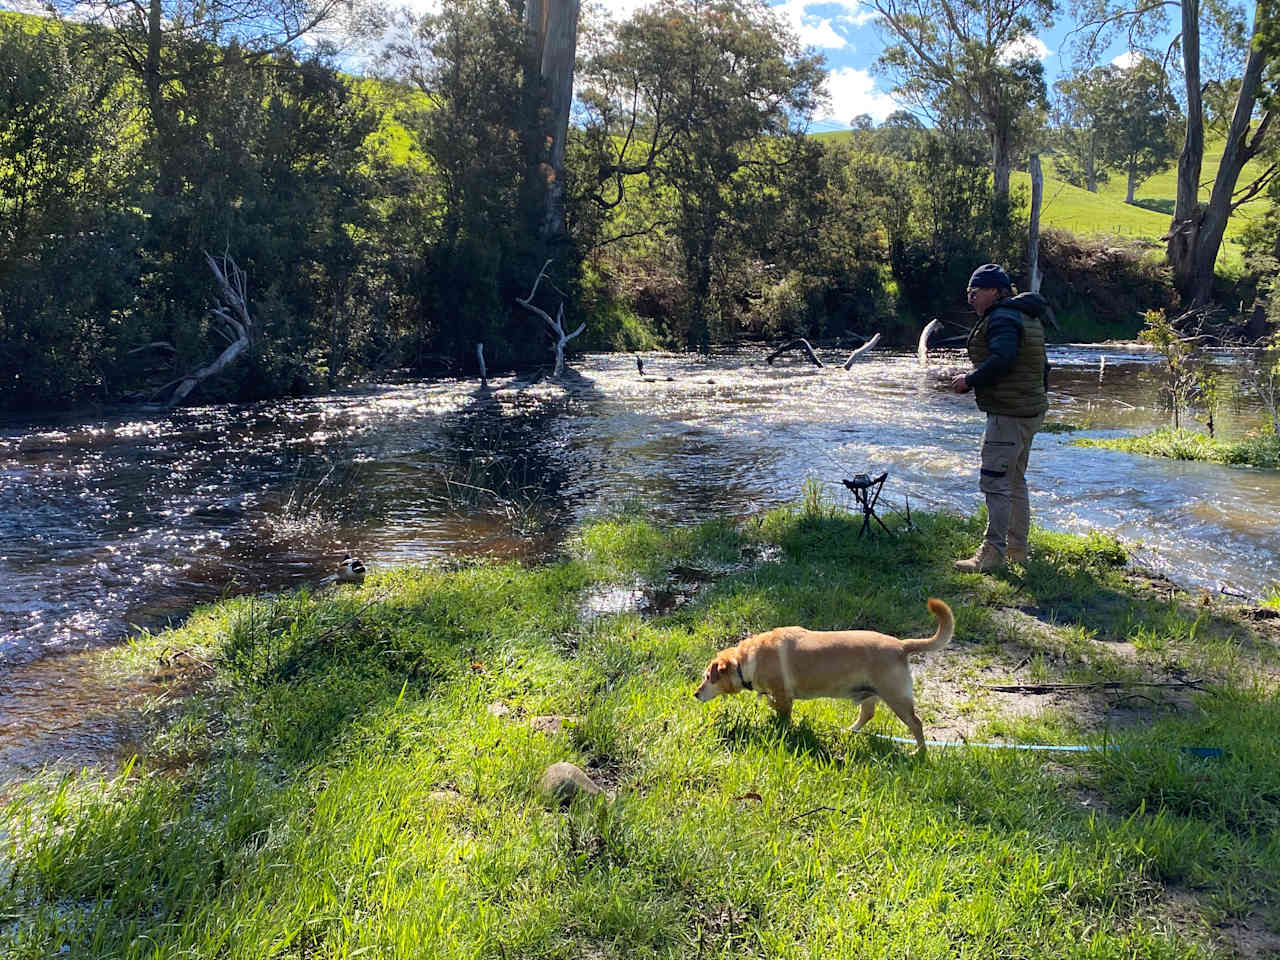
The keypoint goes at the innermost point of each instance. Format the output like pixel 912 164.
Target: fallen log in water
pixel 869 345
pixel 798 343
pixel 232 312
pixel 922 348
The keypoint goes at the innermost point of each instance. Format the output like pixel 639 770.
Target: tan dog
pixel 792 663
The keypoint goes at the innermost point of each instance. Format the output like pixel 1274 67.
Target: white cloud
pixel 1028 45
pixel 812 30
pixel 854 92
pixel 1128 60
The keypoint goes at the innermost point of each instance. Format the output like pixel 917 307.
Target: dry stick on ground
pixel 799 342
pixel 799 817
pixel 1104 685
pixel 556 324
pixel 869 345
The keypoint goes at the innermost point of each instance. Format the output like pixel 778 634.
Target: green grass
pixel 1162 188
pixel 1256 450
pixel 1092 214
pixel 342 788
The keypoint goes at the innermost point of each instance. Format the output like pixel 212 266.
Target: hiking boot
pixel 1016 554
pixel 987 558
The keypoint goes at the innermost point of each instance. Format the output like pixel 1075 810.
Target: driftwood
pixel 237 324
pixel 922 348
pixel 556 324
pixel 484 377
pixel 1104 685
pixel 798 343
pixel 869 345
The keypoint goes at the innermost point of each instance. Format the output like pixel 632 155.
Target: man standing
pixel 1010 381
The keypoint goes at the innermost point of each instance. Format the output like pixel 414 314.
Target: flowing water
pixel 129 519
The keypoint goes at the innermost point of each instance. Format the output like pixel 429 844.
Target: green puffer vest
pixel 1021 393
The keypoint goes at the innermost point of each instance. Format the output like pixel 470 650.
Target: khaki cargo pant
pixel 1005 448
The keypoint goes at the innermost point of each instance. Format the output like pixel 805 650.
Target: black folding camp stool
pixel 866 490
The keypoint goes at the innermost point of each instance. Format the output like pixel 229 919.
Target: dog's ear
pixel 714 671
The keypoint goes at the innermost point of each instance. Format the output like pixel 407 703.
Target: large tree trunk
pixel 1185 228
pixel 552 27
pixel 1033 226
pixel 1237 151
pixel 1133 182
pixel 1091 164
pixel 1001 167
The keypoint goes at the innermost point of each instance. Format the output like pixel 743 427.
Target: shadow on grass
pixel 1164 206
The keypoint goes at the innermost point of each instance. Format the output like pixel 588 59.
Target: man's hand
pixel 960 384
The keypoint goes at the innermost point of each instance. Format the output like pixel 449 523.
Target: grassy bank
pixel 1256 450
pixel 357 775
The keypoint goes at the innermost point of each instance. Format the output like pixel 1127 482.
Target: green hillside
pixel 1161 190
pixel 1106 214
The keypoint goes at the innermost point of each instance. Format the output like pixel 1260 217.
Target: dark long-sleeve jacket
pixel 1007 347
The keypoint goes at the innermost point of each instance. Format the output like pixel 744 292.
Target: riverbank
pixel 357 770
pixel 1255 450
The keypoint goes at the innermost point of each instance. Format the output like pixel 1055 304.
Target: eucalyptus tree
pixel 474 121
pixel 705 102
pixel 1138 122
pixel 974 58
pixel 1225 58
pixel 1079 102
pixel 900 135
pixel 170 45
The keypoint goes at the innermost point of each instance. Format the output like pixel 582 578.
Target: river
pixel 124 519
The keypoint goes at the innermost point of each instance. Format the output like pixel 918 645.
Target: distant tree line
pixel 392 221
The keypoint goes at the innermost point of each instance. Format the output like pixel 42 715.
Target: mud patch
pixel 956 702
pixel 1251 938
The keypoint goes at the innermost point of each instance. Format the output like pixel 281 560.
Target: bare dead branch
pixel 799 342
pixel 155 345
pixel 869 345
pixel 556 325
pixel 234 312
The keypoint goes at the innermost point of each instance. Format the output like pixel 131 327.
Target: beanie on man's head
pixel 989 275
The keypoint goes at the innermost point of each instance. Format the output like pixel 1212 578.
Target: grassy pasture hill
pixel 1157 195
pixel 1105 214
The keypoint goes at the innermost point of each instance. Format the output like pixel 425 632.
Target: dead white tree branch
pixel 555 324
pixel 922 348
pixel 800 343
pixel 233 313
pixel 869 345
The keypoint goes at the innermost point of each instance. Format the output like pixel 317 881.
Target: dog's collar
pixel 746 684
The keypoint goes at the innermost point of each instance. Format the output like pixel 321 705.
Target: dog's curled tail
pixel 946 629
